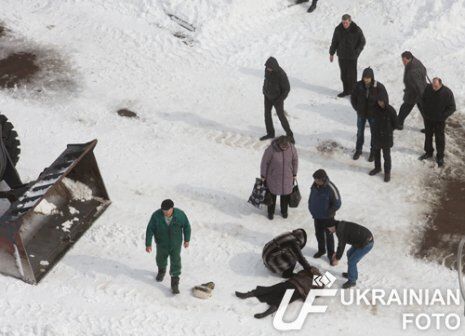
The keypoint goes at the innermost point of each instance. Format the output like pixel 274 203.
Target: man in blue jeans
pixel 364 99
pixel 362 242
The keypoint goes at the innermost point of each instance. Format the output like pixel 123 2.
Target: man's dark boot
pixel 300 1
pixel 371 157
pixel 319 254
pixel 440 162
pixel 291 139
pixel 175 285
pixel 343 94
pixel 345 275
pixel 267 312
pixel 357 155
pixel 266 137
pixel 246 295
pixel 374 171
pixel 312 7
pixel 161 274
pixel 349 284
pixel 387 177
pixel 425 156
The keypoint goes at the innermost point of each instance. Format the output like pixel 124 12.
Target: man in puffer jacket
pixel 323 203
pixel 282 253
pixel 276 87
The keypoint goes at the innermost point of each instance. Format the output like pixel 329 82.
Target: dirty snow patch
pixel 46 208
pixel 78 190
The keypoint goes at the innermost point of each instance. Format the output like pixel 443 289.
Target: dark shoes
pixel 270 216
pixel 267 312
pixel 311 8
pixel 175 285
pixel 425 156
pixel 400 127
pixel 160 275
pixel 356 155
pixel 319 254
pixel 343 94
pixel 440 162
pixel 266 137
pixel 374 171
pixel 291 139
pixel 245 295
pixel 284 215
pixel 349 284
pixel 345 275
pixel 371 158
pixel 387 177
pixel 422 130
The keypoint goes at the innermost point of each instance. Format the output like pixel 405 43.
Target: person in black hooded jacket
pixel 384 124
pixel 276 87
pixel 348 41
pixel 364 100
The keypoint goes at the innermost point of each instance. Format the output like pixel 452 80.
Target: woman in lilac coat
pixel 279 170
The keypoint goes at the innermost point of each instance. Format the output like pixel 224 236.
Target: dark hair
pixel 346 17
pixel 320 174
pixel 167 204
pixel 438 79
pixel 407 54
pixel 283 140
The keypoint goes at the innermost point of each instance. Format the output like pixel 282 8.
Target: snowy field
pixel 200 112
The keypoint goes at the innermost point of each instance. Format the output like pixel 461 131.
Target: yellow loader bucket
pixel 52 214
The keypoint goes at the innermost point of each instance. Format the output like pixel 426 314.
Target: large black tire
pixel 10 139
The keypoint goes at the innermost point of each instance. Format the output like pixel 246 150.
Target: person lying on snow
pixel 302 283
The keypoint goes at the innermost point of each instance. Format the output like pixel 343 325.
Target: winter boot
pixel 161 274
pixel 270 216
pixel 374 171
pixel 357 155
pixel 425 156
pixel 175 285
pixel 349 284
pixel 246 295
pixel 319 254
pixel 266 137
pixel 343 94
pixel 387 177
pixel 345 275
pixel 300 1
pixel 267 312
pixel 371 157
pixel 312 6
pixel 440 162
pixel 291 139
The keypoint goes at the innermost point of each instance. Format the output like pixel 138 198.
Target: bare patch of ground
pixel 124 112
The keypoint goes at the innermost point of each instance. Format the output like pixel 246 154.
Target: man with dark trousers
pixel 323 203
pixel 348 41
pixel 364 100
pixel 312 6
pixel 362 242
pixel 276 87
pixel 415 84
pixel 171 230
pixel 438 105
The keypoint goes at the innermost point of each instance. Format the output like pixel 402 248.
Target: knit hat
pixel 167 204
pixel 320 174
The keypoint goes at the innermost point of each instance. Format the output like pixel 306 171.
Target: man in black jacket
pixel 362 242
pixel 276 87
pixel 282 253
pixel 438 104
pixel 348 41
pixel 364 98
pixel 415 83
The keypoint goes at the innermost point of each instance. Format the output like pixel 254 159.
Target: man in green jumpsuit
pixel 168 225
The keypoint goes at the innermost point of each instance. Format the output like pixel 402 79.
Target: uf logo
pixel 327 280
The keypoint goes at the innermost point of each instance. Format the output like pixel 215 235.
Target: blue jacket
pixel 324 201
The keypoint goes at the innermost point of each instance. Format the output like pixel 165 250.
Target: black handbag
pixel 258 193
pixel 295 197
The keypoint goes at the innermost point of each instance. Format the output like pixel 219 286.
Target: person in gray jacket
pixel 279 171
pixel 415 84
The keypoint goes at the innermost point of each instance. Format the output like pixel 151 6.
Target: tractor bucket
pixel 52 214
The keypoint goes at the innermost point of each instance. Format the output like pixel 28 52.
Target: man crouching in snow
pixel 168 225
pixel 362 242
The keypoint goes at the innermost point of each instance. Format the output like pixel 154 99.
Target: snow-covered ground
pixel 201 111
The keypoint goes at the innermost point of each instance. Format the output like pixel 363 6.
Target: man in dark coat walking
pixel 362 242
pixel 276 87
pixel 438 105
pixel 384 124
pixel 348 41
pixel 323 203
pixel 364 100
pixel 415 84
